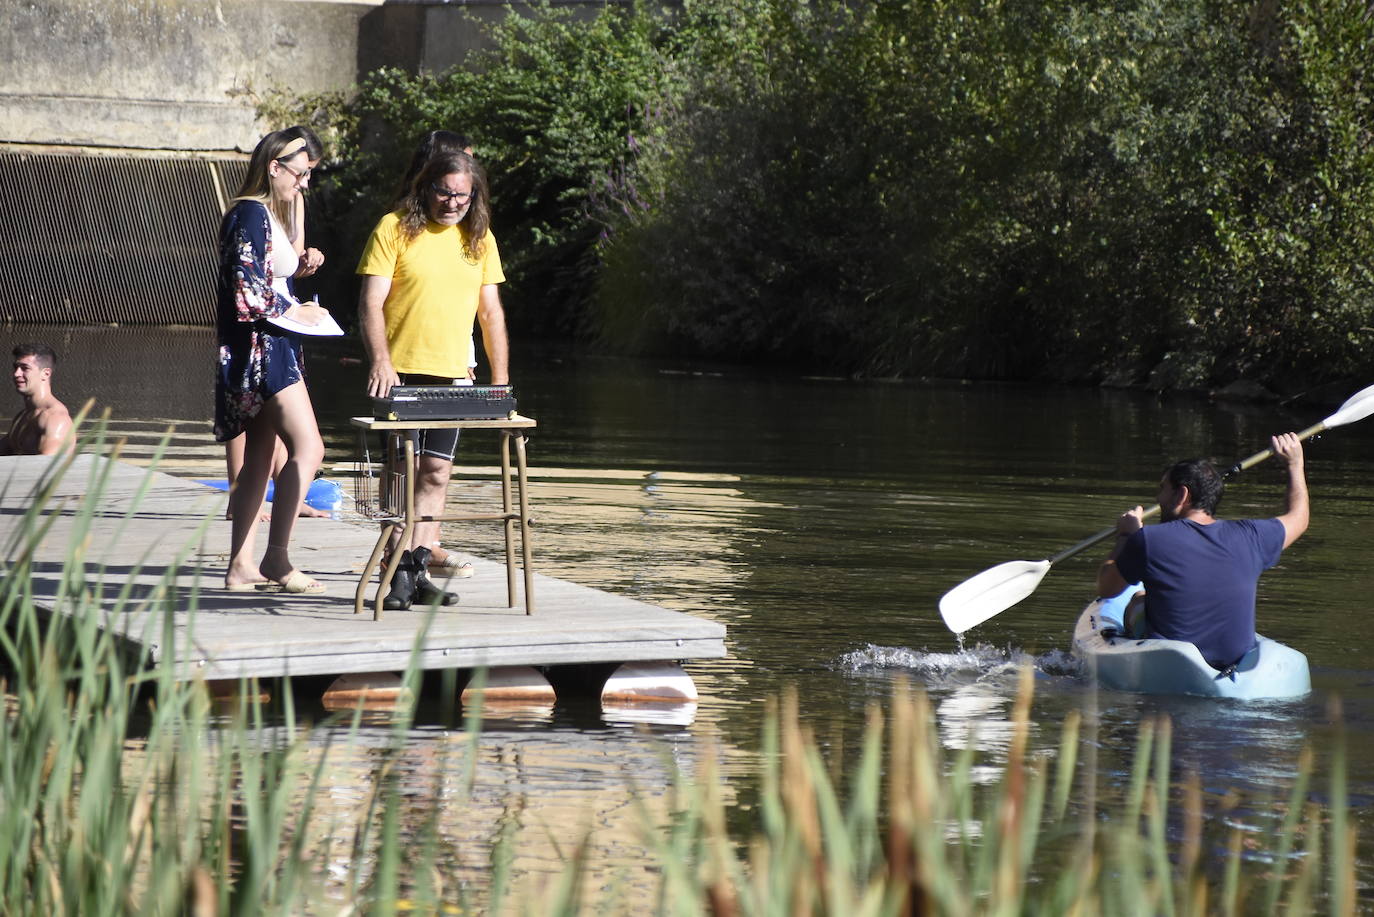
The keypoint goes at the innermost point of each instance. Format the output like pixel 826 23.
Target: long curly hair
pixel 435 143
pixel 414 206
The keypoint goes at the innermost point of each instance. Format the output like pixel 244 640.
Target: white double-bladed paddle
pixel 996 589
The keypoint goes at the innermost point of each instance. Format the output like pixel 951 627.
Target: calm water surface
pixel 820 521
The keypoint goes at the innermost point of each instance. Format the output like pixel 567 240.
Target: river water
pixel 820 520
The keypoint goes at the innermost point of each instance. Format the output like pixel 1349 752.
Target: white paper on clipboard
pixel 327 326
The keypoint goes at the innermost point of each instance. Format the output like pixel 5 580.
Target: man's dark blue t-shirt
pixel 1200 580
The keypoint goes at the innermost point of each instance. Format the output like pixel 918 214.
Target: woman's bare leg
pixel 233 462
pixel 278 463
pixel 246 498
pixel 292 414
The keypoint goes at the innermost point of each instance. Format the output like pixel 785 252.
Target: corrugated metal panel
pixel 97 240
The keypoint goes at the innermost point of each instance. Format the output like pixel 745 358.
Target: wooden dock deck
pixel 169 544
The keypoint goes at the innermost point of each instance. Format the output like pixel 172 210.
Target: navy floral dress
pixel 255 362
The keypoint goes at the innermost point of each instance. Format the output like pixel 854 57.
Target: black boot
pixel 402 584
pixel 426 593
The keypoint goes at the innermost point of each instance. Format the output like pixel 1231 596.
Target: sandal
pixel 296 583
pixel 246 587
pixel 451 566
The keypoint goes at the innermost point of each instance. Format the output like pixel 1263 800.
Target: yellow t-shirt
pixel 433 299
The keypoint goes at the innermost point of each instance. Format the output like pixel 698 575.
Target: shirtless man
pixel 44 427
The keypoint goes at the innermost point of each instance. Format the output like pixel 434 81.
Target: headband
pixel 292 148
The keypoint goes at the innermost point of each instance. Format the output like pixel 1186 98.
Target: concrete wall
pixel 184 75
pixel 163 74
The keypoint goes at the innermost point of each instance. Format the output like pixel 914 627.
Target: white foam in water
pixel 980 661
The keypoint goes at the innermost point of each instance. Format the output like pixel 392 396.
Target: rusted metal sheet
pixel 107 240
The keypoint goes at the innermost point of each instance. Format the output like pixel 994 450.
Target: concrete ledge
pixel 165 74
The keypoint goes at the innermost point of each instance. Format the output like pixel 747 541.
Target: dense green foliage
pixel 550 109
pixel 1175 190
pixel 979 189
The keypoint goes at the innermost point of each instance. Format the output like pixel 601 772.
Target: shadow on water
pixel 821 520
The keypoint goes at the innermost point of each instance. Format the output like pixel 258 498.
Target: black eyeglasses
pixel 445 195
pixel 300 176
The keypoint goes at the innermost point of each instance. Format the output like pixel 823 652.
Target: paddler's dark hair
pixel 1203 480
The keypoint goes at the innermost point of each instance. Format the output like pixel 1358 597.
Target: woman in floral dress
pixel 260 386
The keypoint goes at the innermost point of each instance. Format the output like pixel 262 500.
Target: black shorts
pixel 440 444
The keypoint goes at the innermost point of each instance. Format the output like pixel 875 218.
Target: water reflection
pixel 614 714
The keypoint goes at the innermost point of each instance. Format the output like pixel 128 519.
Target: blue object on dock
pixel 323 495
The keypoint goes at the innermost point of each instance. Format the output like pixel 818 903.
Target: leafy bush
pixel 1066 191
pixel 1007 191
pixel 552 106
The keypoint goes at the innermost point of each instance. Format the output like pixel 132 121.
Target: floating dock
pixel 166 541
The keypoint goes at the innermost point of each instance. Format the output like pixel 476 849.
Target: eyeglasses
pixel 445 195
pixel 300 176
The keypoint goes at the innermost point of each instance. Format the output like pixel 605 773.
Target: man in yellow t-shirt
pixel 428 269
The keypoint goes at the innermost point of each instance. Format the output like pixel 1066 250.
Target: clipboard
pixel 328 326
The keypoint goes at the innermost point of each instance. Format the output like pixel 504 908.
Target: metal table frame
pixel 512 428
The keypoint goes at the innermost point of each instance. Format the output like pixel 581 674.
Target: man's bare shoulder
pixel 54 412
pixel 54 423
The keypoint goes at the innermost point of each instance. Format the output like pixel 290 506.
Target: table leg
pixel 525 550
pixel 360 596
pixel 407 528
pixel 508 523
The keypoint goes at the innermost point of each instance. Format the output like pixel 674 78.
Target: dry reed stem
pixel 721 898
pixel 1007 891
pixel 799 801
pixel 201 898
pixel 1347 876
pixel 1192 828
pixel 901 855
pixel 1233 852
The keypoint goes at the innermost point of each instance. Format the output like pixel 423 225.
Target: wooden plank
pixel 170 547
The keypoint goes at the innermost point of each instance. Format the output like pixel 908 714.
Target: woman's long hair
pixel 314 152
pixel 257 181
pixel 414 207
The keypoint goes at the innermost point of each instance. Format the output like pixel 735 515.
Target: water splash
pixel 979 663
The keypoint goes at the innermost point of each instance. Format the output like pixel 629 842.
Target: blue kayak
pixel 323 495
pixel 1270 671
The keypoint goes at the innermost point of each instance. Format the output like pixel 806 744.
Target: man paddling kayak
pixel 1200 572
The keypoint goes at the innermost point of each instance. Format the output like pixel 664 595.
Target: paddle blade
pixel 1357 407
pixel 990 593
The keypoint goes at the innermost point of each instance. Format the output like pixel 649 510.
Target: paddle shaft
pixel 1094 539
pixel 1237 468
pixel 1258 457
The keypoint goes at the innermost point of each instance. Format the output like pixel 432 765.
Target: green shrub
pixel 553 107
pixel 976 189
pixel 958 188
